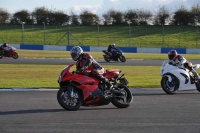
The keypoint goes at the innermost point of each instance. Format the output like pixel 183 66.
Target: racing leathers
pixel 180 60
pixel 87 62
pixel 4 49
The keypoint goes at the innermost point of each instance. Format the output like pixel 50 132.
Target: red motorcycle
pixel 79 89
pixel 11 53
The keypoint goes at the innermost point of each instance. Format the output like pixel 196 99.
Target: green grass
pixel 141 36
pixel 45 76
pixel 66 54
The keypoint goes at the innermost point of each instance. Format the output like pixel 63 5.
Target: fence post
pixel 98 32
pixel 197 32
pixel 44 33
pixel 163 34
pixel 23 32
pixel 68 35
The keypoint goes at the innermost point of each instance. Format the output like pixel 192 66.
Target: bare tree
pixel 182 17
pixel 21 16
pixel 144 16
pixel 161 16
pixel 4 15
pixel 131 16
pixel 60 18
pixel 195 10
pixel 40 14
pixel 88 18
pixel 74 19
pixel 113 17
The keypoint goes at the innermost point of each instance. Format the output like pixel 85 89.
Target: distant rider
pixel 110 49
pixel 85 61
pixel 5 48
pixel 178 60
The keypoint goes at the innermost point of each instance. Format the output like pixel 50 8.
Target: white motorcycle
pixel 177 78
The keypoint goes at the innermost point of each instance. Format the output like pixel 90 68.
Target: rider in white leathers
pixel 178 60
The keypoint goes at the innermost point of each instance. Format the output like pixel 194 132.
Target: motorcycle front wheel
pixel 124 99
pixel 107 58
pixel 15 56
pixel 169 87
pixel 69 98
pixel 122 58
pixel 1 56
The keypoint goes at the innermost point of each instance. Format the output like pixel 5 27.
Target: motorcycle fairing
pixel 87 84
pixel 110 73
pixel 168 69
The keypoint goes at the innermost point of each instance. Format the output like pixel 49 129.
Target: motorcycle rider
pixel 85 61
pixel 178 60
pixel 110 47
pixel 4 49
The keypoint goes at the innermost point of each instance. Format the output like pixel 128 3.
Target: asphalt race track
pixel 57 61
pixel 152 110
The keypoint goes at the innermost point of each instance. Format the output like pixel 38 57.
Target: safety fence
pixel 99 35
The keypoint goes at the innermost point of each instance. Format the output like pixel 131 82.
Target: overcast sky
pixel 96 6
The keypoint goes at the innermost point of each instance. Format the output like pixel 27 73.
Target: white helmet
pixel 75 52
pixel 112 44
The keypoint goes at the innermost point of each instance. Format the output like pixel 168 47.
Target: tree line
pixel 43 15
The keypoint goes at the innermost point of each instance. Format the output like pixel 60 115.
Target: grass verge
pixel 66 54
pixel 45 76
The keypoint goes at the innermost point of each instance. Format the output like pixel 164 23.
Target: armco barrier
pixel 99 49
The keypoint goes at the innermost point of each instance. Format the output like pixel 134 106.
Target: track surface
pixel 54 61
pixel 152 111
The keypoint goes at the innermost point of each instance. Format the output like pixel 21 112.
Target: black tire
pixel 122 58
pixel 1 55
pixel 198 86
pixel 67 102
pixel 169 87
pixel 107 58
pixel 126 100
pixel 15 56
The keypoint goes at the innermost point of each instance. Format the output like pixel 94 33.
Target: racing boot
pixel 196 75
pixel 108 84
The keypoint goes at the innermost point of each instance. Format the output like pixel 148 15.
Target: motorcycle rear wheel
pixel 124 101
pixel 107 58
pixel 66 101
pixel 122 58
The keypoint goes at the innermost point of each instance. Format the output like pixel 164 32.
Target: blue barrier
pixel 98 49
pixel 128 49
pixel 31 47
pixel 179 50
pixel 85 48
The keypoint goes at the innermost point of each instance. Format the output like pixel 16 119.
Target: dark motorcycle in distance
pixel 116 55
pixel 12 53
pixel 79 89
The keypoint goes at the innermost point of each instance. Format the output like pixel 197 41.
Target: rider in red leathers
pixel 85 61
pixel 5 49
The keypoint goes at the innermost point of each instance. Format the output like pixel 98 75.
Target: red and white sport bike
pixel 79 89
pixel 11 53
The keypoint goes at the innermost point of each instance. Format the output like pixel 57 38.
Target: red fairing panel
pixel 88 84
pixel 111 73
